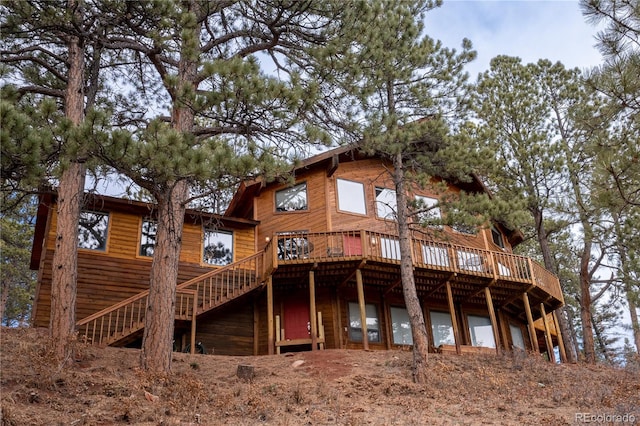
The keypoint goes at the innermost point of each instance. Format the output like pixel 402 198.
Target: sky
pixel 529 29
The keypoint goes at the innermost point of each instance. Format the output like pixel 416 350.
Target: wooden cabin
pixel 306 266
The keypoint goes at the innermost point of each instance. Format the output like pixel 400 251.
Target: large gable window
pixel 351 196
pixel 429 213
pixel 292 199
pixel 386 203
pixel 218 247
pixel 93 230
pixel 148 237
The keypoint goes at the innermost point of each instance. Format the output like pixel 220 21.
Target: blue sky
pixel 532 30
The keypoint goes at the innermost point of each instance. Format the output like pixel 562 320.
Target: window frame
pixel 473 335
pixel 105 248
pixel 142 235
pixel 401 326
pixel 369 308
pixel 391 215
pixel 338 197
pixel 452 340
pixel 495 232
pixel 209 230
pixel 433 213
pixel 292 188
pixel 513 326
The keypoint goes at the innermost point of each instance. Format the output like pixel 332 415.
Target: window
pixel 351 196
pixel 436 256
pixel 218 247
pixel 401 326
pixel 516 336
pixel 429 214
pixel 292 199
pixel 355 328
pixel 496 235
pixel 148 237
pixel 92 230
pixel 386 203
pixel 441 328
pixel 481 331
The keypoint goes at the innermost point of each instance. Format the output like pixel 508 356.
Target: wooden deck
pixel 335 257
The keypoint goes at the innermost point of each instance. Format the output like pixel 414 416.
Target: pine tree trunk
pixel 414 310
pixel 549 264
pixel 157 342
pixel 635 325
pixel 588 342
pixel 69 202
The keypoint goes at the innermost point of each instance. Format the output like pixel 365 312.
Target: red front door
pixel 296 318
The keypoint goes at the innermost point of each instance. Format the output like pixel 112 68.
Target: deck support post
pixel 547 334
pixel 454 320
pixel 193 325
pixel 492 317
pixel 363 310
pixel 532 329
pixel 563 353
pixel 270 337
pixel 313 317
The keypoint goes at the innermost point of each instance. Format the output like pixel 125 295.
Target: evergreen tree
pixel 46 44
pixel 403 85
pixel 17 281
pixel 228 119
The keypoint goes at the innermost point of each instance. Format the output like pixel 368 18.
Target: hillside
pixel 341 387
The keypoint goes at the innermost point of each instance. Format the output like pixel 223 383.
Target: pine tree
pixel 403 84
pixel 44 52
pixel 228 119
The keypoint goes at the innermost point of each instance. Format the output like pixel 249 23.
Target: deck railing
pixel 127 317
pixel 297 247
pixel 221 285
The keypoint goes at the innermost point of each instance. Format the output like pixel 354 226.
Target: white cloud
pixel 531 30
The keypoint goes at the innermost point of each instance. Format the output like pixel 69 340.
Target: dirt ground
pixel 333 387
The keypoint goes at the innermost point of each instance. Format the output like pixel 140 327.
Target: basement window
pixel 517 339
pixel 93 230
pixel 355 327
pixel 148 237
pixel 292 199
pixel 218 247
pixel 441 328
pixel 401 326
pixel 481 331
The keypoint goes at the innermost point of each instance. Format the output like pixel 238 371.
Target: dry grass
pixel 105 387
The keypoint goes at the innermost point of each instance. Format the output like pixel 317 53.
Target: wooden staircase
pixel 194 297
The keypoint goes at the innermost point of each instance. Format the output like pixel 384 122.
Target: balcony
pixel 335 256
